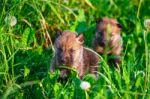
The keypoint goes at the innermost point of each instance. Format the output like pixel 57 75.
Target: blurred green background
pixel 28 26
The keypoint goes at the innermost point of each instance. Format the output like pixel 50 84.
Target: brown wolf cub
pixel 108 40
pixel 69 51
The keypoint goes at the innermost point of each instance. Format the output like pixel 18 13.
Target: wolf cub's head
pixel 66 45
pixel 106 28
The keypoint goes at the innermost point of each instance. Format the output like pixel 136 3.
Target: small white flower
pixel 85 85
pixel 147 23
pixel 11 20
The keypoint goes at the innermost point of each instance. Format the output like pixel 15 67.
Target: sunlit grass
pixel 25 63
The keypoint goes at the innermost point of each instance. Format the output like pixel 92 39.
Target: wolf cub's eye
pixel 59 49
pixel 71 50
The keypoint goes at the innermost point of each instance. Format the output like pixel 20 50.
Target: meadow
pixel 28 30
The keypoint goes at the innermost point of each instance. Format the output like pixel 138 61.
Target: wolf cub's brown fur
pixel 108 39
pixel 70 52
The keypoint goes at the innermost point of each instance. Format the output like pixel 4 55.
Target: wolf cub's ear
pixel 59 32
pixel 99 20
pixel 80 38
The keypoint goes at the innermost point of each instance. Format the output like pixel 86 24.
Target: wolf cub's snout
pixel 69 51
pixel 108 39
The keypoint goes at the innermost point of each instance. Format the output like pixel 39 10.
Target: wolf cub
pixel 108 40
pixel 69 51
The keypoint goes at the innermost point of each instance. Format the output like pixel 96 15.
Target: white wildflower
pixel 85 85
pixel 147 23
pixel 11 20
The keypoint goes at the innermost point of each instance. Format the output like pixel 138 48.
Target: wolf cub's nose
pixel 62 60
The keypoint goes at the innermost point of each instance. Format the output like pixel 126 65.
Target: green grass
pixel 24 63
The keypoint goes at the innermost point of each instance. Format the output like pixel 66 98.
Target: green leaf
pixel 80 24
pixel 55 11
pixel 81 16
pixel 126 76
pixel 90 4
pixel 26 71
pixel 31 37
pixel 90 78
pixel 25 37
pixel 139 82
